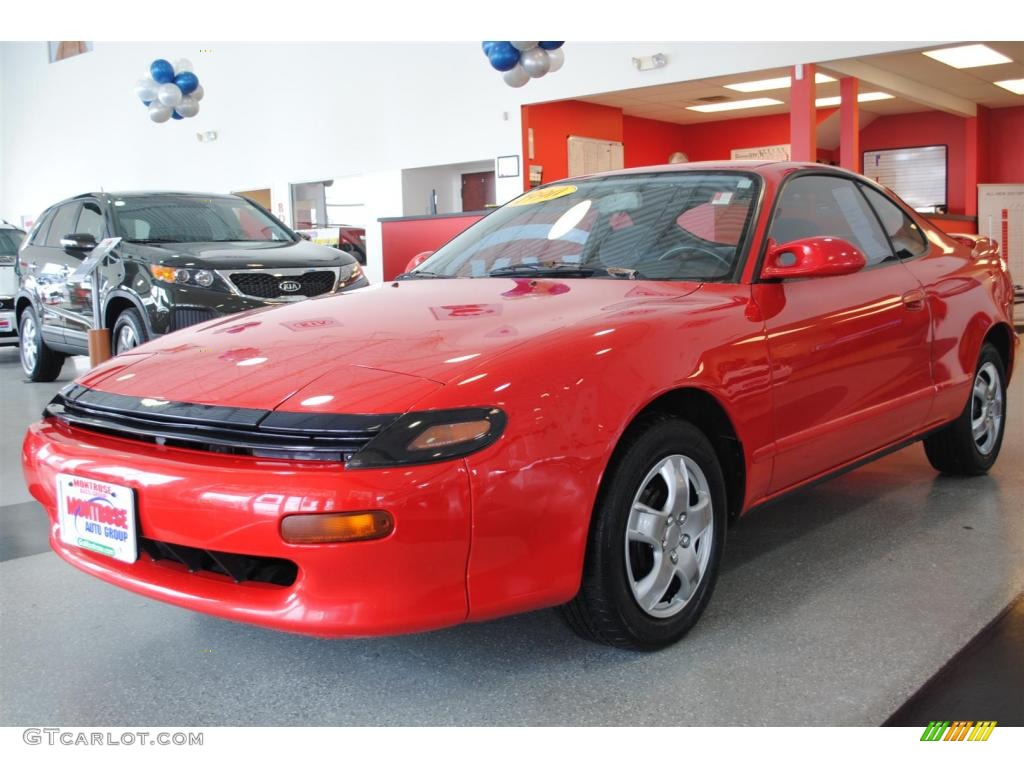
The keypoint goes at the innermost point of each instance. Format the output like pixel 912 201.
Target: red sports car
pixel 565 405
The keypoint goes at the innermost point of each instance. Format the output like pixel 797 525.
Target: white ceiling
pixel 669 102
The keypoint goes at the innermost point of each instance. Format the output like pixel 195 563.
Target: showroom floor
pixel 833 607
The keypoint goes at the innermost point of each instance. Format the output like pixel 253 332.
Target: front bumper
pixel 8 328
pixel 412 580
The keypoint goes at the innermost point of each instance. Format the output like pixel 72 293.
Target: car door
pixel 47 266
pixel 77 311
pixel 850 354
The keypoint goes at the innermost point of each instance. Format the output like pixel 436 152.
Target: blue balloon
pixel 487 45
pixel 551 45
pixel 161 71
pixel 503 56
pixel 147 103
pixel 187 81
pixel 176 116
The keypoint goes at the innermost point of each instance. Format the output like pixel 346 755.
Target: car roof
pixel 776 168
pixel 107 196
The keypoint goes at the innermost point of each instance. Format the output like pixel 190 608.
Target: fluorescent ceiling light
pixel 965 56
pixel 834 101
pixel 1013 86
pixel 725 106
pixel 774 83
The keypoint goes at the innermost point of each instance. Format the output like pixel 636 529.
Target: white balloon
pixel 169 95
pixel 516 77
pixel 198 93
pixel 189 107
pixel 182 65
pixel 158 113
pixel 145 88
pixel 524 46
pixel 535 62
pixel 556 59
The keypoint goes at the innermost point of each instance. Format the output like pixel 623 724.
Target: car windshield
pixel 685 225
pixel 194 219
pixel 10 241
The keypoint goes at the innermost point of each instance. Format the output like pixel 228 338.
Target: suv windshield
pixel 685 225
pixel 10 241
pixel 194 219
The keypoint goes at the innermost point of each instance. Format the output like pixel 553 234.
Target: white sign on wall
pixel 1001 217
pixel 773 153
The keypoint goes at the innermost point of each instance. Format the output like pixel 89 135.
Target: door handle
pixel 914 300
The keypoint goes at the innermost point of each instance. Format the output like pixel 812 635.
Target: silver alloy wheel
pixel 669 536
pixel 126 339
pixel 986 409
pixel 28 343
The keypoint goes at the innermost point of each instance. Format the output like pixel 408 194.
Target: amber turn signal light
pixel 442 435
pixel 334 527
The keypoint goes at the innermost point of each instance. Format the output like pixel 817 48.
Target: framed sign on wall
pixel 917 174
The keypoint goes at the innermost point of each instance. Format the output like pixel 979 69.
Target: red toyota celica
pixel 564 405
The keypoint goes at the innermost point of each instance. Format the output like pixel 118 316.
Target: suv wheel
pixel 129 332
pixel 38 361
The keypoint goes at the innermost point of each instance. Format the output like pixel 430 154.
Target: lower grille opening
pixel 183 317
pixel 239 568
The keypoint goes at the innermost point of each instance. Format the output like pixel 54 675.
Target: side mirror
pixel 418 259
pixel 80 241
pixel 304 235
pixel 812 257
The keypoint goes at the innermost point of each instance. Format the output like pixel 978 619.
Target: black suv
pixel 184 258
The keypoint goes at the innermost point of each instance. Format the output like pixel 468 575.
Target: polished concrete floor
pixel 834 607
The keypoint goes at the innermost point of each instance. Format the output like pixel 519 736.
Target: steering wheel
pixel 702 249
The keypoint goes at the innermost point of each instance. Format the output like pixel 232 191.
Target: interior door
pixel 850 354
pixel 477 190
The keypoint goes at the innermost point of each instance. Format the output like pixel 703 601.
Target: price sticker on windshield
pixel 543 195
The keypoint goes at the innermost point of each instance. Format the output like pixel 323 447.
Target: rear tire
pixel 655 541
pixel 38 361
pixel 129 332
pixel 970 445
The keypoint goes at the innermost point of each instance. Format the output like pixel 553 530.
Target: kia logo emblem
pixel 289 286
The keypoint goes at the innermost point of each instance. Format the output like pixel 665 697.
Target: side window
pixel 38 234
pixel 91 220
pixel 907 238
pixel 810 206
pixel 64 221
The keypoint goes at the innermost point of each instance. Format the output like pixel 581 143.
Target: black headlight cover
pixel 390 448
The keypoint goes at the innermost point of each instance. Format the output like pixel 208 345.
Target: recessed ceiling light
pixel 834 101
pixel 964 56
pixel 774 83
pixel 1013 86
pixel 725 106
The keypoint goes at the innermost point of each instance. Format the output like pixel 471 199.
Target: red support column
pixel 803 122
pixel 849 124
pixel 971 148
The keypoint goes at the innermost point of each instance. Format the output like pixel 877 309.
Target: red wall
pixel 553 123
pixel 1005 146
pixel 650 142
pixel 403 239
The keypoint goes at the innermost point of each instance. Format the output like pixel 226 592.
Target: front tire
pixel 970 445
pixel 129 332
pixel 38 361
pixel 655 541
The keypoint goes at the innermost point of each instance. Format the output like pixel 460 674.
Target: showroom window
pixel 907 239
pixel 812 206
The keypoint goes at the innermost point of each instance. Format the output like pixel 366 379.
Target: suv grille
pixel 219 429
pixel 239 568
pixel 264 285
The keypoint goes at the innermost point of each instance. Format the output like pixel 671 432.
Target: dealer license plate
pixel 97 516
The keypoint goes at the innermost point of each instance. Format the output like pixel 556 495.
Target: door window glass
pixel 907 238
pixel 64 221
pixel 830 206
pixel 90 221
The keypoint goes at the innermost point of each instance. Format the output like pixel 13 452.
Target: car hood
pixel 377 349
pixel 242 255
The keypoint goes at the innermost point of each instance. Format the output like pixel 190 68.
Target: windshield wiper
pixel 422 275
pixel 562 270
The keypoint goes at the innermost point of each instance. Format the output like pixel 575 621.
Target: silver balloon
pixel 158 113
pixel 535 62
pixel 189 107
pixel 556 59
pixel 169 95
pixel 182 65
pixel 198 93
pixel 145 88
pixel 516 77
pixel 524 46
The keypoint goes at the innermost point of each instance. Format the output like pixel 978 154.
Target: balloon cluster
pixel 520 60
pixel 170 90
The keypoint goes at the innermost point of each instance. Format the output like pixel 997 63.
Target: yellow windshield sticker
pixel 544 194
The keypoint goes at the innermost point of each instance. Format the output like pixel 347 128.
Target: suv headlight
pixel 204 278
pixel 348 275
pixel 423 437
